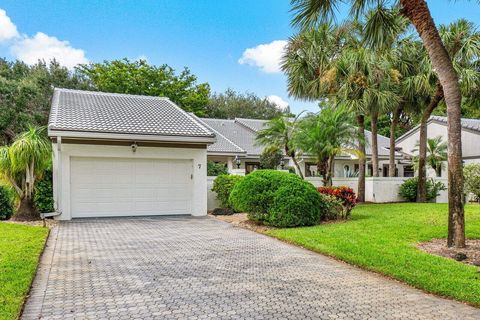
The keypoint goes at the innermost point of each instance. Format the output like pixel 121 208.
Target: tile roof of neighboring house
pixel 236 133
pixel 223 144
pixel 252 124
pixel 242 132
pixel 473 124
pixel 99 112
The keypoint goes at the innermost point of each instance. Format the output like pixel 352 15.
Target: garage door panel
pixel 127 187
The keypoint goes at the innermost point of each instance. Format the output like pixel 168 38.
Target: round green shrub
pixel 296 203
pixel 6 203
pixel 255 193
pixel 223 185
pixel 43 196
pixel 278 198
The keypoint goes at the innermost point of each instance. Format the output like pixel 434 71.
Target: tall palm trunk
pixel 374 122
pixel 393 126
pixel 361 160
pixel 330 170
pixel 418 13
pixel 422 150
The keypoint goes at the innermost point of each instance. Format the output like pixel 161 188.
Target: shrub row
pixel 345 200
pixel 408 189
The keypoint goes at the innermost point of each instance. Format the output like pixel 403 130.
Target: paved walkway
pixel 199 268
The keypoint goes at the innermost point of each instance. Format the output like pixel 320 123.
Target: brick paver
pixel 201 268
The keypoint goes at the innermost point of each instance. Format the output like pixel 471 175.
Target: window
pixel 408 171
pixel 251 166
pixel 310 169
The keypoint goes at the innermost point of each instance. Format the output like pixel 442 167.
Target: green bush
pixel 271 158
pixel 215 169
pixel 43 196
pixel 6 203
pixel 408 189
pixel 223 186
pixel 278 198
pixel 471 172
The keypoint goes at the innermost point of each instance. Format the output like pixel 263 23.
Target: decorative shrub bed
pixel 223 186
pixel 278 199
pixel 346 199
pixel 43 196
pixel 408 189
pixel 6 203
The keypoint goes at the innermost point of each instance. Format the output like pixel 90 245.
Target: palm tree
pixel 310 12
pixel 279 133
pixel 436 154
pixel 462 42
pixel 325 135
pixel 22 163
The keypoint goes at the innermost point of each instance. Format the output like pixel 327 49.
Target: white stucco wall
pixel 198 157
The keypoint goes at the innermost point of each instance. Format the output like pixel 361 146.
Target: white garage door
pixel 107 187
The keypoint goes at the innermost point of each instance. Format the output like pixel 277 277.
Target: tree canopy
pixel 232 104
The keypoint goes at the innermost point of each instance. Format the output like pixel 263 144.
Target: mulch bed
pixel 50 223
pixel 241 220
pixel 439 247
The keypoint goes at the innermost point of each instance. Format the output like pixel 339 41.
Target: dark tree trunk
pixel 361 159
pixel 374 146
pixel 322 166
pixel 26 211
pixel 418 13
pixel 393 126
pixel 422 150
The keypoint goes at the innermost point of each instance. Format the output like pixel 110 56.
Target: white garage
pixel 122 155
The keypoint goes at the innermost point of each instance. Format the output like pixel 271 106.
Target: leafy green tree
pixel 138 77
pixel 231 104
pixel 271 158
pixel 279 132
pixel 326 135
pixel 22 164
pixel 26 93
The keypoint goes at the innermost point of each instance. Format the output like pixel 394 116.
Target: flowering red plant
pixel 344 194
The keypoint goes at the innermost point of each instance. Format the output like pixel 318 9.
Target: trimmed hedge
pixel 6 203
pixel 223 185
pixel 43 196
pixel 408 189
pixel 278 198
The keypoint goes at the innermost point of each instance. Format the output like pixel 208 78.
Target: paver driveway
pixel 202 268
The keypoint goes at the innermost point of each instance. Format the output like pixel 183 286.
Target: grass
pixel 20 248
pixel 383 238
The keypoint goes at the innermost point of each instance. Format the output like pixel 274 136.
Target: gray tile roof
pixel 223 144
pixel 99 112
pixel 236 133
pixel 252 124
pixel 472 124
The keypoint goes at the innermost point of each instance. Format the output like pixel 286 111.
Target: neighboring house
pixel 236 144
pixel 437 126
pixel 126 155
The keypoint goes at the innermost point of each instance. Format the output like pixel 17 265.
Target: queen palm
pixel 22 163
pixel 309 12
pixel 279 133
pixel 326 135
pixel 436 154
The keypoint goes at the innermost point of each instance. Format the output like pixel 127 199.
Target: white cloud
pixel 267 57
pixel 8 30
pixel 43 46
pixel 281 104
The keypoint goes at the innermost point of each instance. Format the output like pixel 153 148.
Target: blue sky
pixel 208 36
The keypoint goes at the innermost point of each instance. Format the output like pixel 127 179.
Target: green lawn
pixel 382 238
pixel 20 247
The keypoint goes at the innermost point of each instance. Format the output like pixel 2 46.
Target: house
pixel 236 146
pixel 126 155
pixel 437 126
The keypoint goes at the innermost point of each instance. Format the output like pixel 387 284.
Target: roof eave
pixel 129 137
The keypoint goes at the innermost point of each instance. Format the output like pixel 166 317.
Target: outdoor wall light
pixel 237 162
pixel 134 147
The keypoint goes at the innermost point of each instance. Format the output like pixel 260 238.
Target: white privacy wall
pixel 62 169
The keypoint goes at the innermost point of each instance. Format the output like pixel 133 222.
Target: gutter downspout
pixel 58 188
